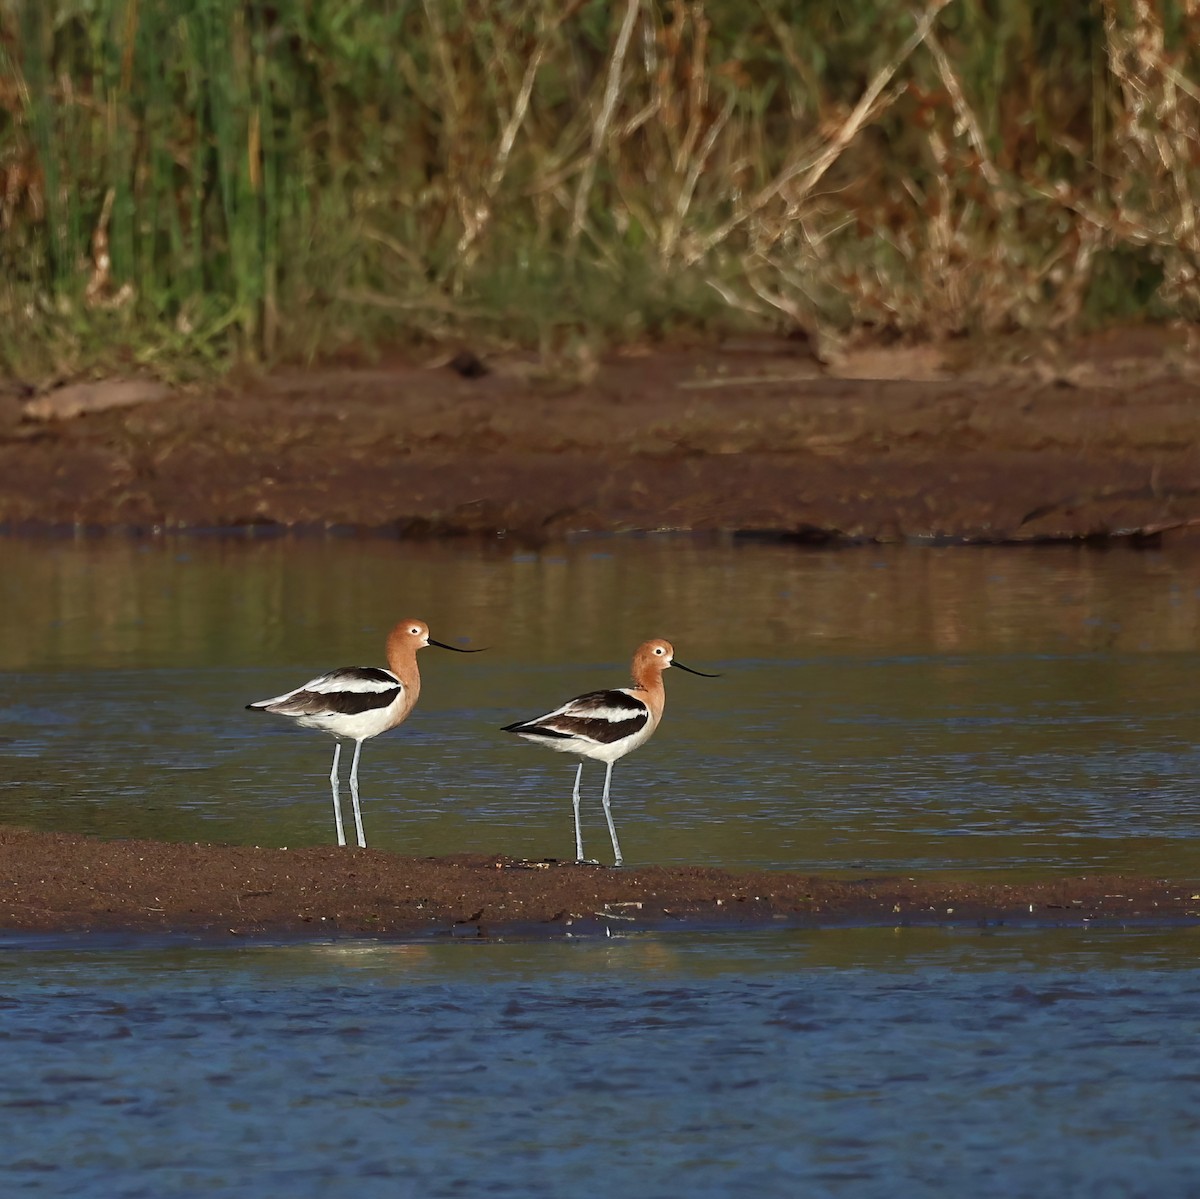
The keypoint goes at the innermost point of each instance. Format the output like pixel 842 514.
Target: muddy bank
pixel 1099 438
pixel 65 882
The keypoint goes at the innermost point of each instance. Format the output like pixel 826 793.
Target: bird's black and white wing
pixel 599 717
pixel 350 691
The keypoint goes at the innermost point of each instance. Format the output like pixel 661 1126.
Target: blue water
pixel 874 1063
pixel 1001 714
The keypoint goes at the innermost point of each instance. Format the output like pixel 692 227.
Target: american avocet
pixel 360 702
pixel 607 725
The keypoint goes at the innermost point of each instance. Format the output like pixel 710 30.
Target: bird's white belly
pixel 359 727
pixel 600 751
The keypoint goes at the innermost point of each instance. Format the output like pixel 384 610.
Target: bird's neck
pixel 402 662
pixel 649 686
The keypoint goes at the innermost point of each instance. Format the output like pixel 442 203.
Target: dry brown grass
pixel 558 174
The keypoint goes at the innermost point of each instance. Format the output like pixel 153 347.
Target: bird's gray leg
pixel 612 828
pixel 578 829
pixel 362 841
pixel 337 803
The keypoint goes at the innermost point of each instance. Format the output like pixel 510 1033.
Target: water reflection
pixel 879 709
pixel 229 601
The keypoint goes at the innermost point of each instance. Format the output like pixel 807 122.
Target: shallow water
pixel 852 1062
pixel 996 711
pixel 878 709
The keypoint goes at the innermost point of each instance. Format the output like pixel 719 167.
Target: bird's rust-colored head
pixel 411 635
pixel 652 657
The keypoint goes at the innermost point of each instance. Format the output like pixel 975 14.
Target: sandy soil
pixel 53 881
pixel 1097 438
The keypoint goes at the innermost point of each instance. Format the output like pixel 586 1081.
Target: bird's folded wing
pixel 347 691
pixel 603 717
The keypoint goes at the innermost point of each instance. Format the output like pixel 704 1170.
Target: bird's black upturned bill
pixel 677 662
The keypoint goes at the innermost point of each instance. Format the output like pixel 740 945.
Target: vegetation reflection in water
pixel 880 709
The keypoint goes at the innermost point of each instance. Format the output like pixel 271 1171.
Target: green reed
pixel 194 182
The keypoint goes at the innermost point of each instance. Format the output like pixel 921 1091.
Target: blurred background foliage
pixel 189 183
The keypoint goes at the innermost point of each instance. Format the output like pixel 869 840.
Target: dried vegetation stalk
pixel 540 172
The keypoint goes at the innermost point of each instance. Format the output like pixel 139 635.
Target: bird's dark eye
pixel 658 649
pixel 414 630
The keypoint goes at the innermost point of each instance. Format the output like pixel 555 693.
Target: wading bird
pixel 357 703
pixel 607 725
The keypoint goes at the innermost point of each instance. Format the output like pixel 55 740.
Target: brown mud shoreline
pixel 67 883
pixel 1096 439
